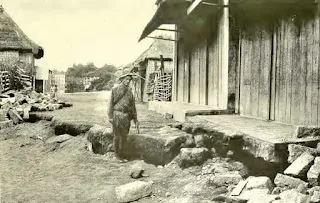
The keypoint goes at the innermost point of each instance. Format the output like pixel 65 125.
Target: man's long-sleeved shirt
pixel 123 103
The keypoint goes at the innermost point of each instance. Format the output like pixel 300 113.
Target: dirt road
pixel 33 171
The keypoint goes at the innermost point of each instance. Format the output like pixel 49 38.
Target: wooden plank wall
pixel 199 71
pixel 180 72
pixel 255 69
pixel 297 72
pixel 213 72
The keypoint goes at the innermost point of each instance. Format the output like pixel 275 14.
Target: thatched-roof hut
pixel 150 62
pixel 15 46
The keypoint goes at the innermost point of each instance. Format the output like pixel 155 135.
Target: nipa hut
pixel 15 46
pixel 153 63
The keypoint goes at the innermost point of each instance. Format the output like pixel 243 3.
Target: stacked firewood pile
pixel 16 106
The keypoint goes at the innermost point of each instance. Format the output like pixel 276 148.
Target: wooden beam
pixel 161 38
pixel 163 29
pixel 194 5
pixel 224 23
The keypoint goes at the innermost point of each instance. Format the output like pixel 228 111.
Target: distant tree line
pixel 104 77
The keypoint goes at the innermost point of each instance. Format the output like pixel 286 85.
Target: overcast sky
pixel 82 31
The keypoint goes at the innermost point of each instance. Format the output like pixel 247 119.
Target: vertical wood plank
pixel 274 59
pixel 277 80
pixel 180 75
pixel 315 72
pixel 265 78
pixel 296 74
pixel 202 73
pixel 308 108
pixel 288 70
pixel 238 80
pixel 303 66
pixel 282 75
pixel 255 69
pixel 186 65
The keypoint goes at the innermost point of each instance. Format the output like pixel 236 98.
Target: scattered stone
pixel 14 116
pixel 284 181
pixel 160 167
pixel 296 150
pixel 58 139
pixel 300 166
pixel 190 142
pixel 305 131
pixel 315 198
pixel 187 127
pixel 262 182
pixel 230 154
pixel 176 125
pixel 192 157
pixel 213 152
pixel 133 191
pixel 101 138
pixel 168 194
pixel 263 199
pixel 137 170
pixel 238 189
pixel 313 174
pixel 229 178
pixel 294 196
pixel 168 116
pixel 312 190
pixel 276 191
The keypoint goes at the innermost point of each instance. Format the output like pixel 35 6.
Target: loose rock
pixel 315 198
pixel 284 181
pixel 313 174
pixel 133 191
pixel 192 157
pixel 296 150
pixel 294 196
pixel 137 170
pixel 300 166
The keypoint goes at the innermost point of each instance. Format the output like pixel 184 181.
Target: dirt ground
pixel 33 171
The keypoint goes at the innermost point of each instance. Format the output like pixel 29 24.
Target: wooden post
pixel 224 23
pixel 174 96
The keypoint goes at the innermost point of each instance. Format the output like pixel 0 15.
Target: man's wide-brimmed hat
pixel 125 75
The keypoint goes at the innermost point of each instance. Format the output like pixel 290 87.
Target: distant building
pixel 58 78
pixel 42 83
pixel 88 80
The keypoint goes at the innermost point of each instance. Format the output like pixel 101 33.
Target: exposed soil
pixel 33 171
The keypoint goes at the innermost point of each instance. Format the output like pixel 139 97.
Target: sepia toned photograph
pixel 159 101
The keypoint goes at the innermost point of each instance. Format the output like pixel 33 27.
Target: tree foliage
pixel 105 77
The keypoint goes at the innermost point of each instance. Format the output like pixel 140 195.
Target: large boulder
pixel 192 157
pixel 313 174
pixel 300 166
pixel 315 198
pixel 133 191
pixel 294 196
pixel 257 198
pixel 225 179
pixel 155 147
pixel 14 116
pixel 101 139
pixel 284 181
pixel 252 188
pixel 296 150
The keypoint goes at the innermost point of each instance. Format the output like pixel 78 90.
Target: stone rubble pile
pixel 16 106
pixel 299 183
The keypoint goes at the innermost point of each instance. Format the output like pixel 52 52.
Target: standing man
pixel 121 111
